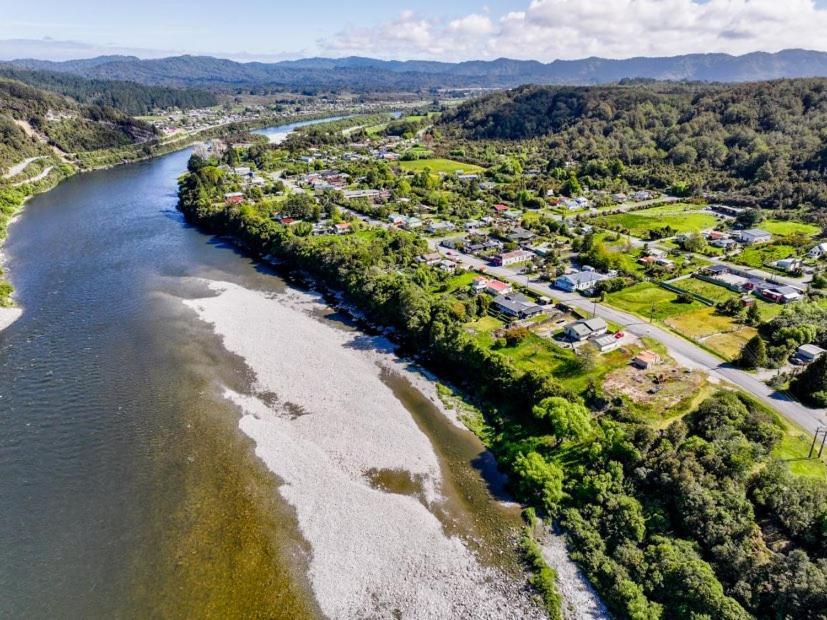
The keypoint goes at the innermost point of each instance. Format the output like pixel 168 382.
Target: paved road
pixel 681 349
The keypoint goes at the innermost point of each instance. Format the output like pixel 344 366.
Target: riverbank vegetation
pixel 671 515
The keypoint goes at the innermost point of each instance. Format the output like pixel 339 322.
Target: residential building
pixel 516 305
pixel 582 281
pixel 818 251
pixel 588 328
pixel 512 258
pixel 440 227
pixel 233 198
pixel 780 294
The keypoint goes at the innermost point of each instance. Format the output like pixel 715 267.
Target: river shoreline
pixel 8 315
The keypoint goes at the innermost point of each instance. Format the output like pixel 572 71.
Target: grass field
pixel 759 255
pixel 713 292
pixel 448 166
pixel 682 218
pixel 781 227
pixel 647 299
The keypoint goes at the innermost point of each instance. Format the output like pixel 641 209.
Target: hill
pixel 366 74
pixel 128 97
pixel 34 123
pixel 759 142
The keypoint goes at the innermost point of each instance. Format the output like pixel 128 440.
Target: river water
pixel 184 433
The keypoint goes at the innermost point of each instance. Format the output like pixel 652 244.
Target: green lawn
pixel 781 227
pixel 759 256
pixel 682 218
pixel 647 299
pixel 449 166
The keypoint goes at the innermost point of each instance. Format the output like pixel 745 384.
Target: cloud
pixel 569 29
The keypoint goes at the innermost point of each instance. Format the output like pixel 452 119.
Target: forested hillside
pixel 128 97
pixel 762 142
pixel 32 121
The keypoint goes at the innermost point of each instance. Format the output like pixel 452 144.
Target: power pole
pixel 821 430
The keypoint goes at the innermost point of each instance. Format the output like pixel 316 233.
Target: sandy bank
pixel 9 316
pixel 324 422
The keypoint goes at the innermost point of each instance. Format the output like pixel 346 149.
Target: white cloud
pixel 568 29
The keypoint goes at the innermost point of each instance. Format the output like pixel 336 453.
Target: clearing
pixel 437 165
pixel 679 218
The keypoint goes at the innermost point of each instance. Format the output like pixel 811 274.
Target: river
pixel 185 433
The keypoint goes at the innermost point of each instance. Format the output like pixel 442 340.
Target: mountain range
pixel 367 74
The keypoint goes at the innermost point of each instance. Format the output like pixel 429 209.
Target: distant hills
pixel 366 74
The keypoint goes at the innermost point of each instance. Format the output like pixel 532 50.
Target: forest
pixel 688 519
pixel 762 143
pixel 128 97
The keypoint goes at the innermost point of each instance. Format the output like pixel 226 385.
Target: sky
pixel 542 30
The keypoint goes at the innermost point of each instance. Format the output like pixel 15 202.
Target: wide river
pixel 184 433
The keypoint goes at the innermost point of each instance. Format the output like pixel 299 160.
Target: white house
pixel 818 251
pixel 578 281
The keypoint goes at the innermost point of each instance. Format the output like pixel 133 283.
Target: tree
pixel 754 353
pixel 811 385
pixel 753 315
pixel 749 217
pixel 566 419
pixel 539 480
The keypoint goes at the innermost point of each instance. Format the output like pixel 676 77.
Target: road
pixel 18 168
pixel 682 350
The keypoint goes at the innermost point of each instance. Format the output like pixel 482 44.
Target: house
pixel 605 342
pixel 780 294
pixel 512 214
pixel 818 251
pixel 751 236
pixel 520 235
pixel 243 171
pixel 341 228
pixel 724 243
pixel 516 305
pixel 495 287
pixel 809 353
pixel 642 195
pixel 727 210
pixel 500 208
pixel 645 360
pixel 412 224
pixel 512 258
pixel 233 198
pixel 788 264
pixel 430 259
pixel 439 227
pixel 578 281
pixel 588 328
pixel 472 225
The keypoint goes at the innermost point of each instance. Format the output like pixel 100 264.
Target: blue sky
pixel 461 29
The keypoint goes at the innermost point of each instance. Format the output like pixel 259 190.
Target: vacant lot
pixel 449 166
pixel 760 255
pixel 722 334
pixel 680 218
pixel 710 291
pixel 650 300
pixel 781 227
